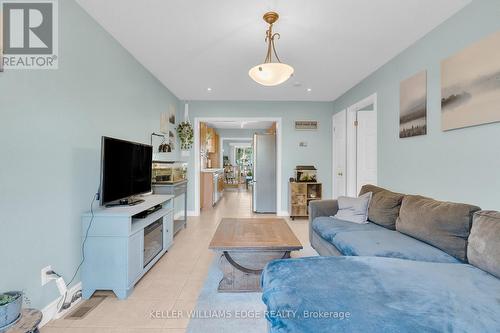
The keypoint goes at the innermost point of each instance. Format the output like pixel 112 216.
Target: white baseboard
pixel 283 213
pixel 50 311
pixel 192 213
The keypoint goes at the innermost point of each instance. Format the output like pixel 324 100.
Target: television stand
pixel 117 243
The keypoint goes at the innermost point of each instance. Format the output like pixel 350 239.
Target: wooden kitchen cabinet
pixel 203 136
pixel 206 189
pixel 211 145
pixel 211 140
pixel 211 188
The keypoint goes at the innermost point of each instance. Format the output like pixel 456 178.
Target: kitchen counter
pixel 213 170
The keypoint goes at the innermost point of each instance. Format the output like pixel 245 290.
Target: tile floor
pixel 174 282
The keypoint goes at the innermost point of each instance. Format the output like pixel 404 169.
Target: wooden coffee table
pixel 246 246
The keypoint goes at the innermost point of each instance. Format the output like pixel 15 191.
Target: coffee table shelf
pixel 245 246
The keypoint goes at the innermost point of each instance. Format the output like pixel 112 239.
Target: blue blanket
pixel 371 294
pixel 352 239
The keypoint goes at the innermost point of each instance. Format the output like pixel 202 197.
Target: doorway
pixel 236 159
pixel 246 122
pixel 354 144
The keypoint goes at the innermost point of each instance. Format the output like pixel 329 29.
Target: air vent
pixel 85 308
pixel 306 125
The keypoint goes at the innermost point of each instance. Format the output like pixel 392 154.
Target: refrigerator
pixel 264 173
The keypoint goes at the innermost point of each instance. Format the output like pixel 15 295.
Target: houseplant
pixel 10 307
pixel 186 135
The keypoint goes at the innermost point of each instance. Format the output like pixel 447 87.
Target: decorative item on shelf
pixel 163 147
pixel 271 73
pixel 10 308
pixel 413 106
pixel 186 135
pixel 305 173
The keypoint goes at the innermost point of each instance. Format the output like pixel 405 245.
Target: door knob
pixel 340 174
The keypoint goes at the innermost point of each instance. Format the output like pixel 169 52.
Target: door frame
pixel 351 143
pixel 352 146
pixel 333 150
pixel 197 166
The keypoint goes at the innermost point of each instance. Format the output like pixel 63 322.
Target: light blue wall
pixel 51 123
pixel 317 153
pixel 460 165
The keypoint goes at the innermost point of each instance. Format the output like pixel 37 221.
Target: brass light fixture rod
pixel 271 18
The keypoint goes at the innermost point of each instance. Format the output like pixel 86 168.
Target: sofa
pixel 418 265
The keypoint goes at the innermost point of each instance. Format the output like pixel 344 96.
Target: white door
pixel 339 154
pixel 366 149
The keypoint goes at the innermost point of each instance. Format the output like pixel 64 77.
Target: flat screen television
pixel 126 169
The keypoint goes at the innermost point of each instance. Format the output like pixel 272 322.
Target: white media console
pixel 121 247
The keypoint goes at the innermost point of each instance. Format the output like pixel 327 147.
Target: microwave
pixel 168 172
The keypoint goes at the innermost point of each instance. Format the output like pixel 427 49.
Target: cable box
pixel 147 212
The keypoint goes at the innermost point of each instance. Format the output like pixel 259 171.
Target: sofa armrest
pixel 322 208
pixel 319 208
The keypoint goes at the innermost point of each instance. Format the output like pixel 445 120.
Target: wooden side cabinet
pixel 299 196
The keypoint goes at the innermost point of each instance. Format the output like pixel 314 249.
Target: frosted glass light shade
pixel 271 74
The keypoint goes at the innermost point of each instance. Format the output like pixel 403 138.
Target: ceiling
pixel 191 45
pixel 240 124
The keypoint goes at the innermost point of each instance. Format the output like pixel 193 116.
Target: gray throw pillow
pixel 384 206
pixel 354 209
pixel 484 242
pixel 445 225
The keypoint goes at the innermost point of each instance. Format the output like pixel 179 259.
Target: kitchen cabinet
pixel 211 187
pixel 209 146
pixel 211 140
pixel 214 154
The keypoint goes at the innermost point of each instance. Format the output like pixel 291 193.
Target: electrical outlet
pixel 46 278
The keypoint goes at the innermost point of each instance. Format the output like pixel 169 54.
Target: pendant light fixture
pixel 271 73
